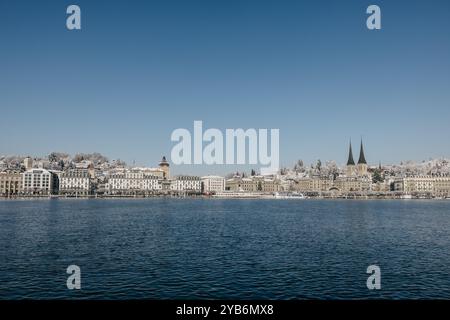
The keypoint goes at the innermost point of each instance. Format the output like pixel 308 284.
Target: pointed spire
pixel 362 158
pixel 350 160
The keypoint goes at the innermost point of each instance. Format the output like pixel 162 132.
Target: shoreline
pixel 202 197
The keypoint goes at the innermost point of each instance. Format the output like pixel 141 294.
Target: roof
pixel 350 160
pixel 212 177
pixel 362 158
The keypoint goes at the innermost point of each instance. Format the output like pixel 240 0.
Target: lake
pixel 224 249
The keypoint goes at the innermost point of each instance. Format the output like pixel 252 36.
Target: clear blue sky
pixel 140 69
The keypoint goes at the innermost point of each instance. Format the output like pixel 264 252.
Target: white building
pixel 156 172
pixel 75 181
pixel 83 164
pixel 213 184
pixel 436 185
pixel 186 183
pixel 39 181
pixel 133 181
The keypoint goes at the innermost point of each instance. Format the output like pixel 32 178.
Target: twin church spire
pixel 362 158
pixel 361 168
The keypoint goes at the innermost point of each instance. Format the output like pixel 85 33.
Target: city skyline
pixel 351 155
pixel 92 175
pixel 133 74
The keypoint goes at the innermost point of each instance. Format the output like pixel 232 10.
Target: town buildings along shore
pixel 85 178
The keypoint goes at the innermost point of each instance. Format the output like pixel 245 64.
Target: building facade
pixel 10 183
pixel 133 181
pixel 213 184
pixel 253 184
pixel 40 182
pixel 442 187
pixel 356 178
pixel 315 184
pixel 75 182
pixel 353 184
pixel 186 183
pixel 438 186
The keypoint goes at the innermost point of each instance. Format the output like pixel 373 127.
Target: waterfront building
pixel 266 184
pixel 139 180
pixel 341 184
pixel 288 184
pixel 165 185
pixel 238 183
pixel 40 182
pixel 353 184
pixel 442 186
pixel 415 184
pixel 186 183
pixel 438 186
pixel 133 181
pixel 320 184
pixel 213 184
pixel 303 184
pixel 10 183
pixel 253 184
pixel 315 184
pixel 379 186
pixel 155 172
pixel 399 185
pixel 75 182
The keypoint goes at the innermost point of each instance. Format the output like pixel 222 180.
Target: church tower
pixel 164 166
pixel 362 163
pixel 350 162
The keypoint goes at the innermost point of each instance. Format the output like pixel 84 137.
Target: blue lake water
pixel 224 249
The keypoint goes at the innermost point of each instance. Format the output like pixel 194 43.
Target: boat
pixel 238 195
pixel 289 195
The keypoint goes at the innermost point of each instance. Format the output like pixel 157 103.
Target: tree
pixel 299 166
pixel 259 186
pixel 52 157
pixel 318 165
pixel 95 158
pixel 57 156
pixel 332 169
pixel 78 157
pixel 377 177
